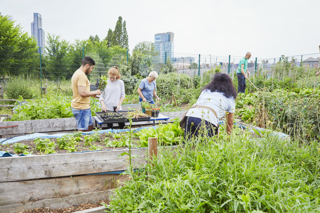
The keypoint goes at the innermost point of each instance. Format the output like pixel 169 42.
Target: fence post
pixel 152 147
pixel 82 52
pixel 127 56
pixel 229 64
pixel 255 65
pixel 301 61
pixel 165 58
pixel 199 66
pixel 40 71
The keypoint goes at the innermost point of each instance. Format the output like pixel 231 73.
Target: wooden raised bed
pixel 62 180
pixel 11 128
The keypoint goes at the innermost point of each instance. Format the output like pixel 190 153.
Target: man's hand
pixel 97 92
pixel 246 76
pixel 104 109
pixel 317 73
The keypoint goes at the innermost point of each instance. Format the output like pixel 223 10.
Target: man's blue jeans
pixel 241 83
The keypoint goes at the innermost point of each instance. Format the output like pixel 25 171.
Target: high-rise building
pixel 37 31
pixel 164 45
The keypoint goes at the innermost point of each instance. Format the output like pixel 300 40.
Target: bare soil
pixel 76 208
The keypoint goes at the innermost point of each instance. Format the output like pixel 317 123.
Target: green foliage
pixel 109 38
pixel 167 68
pixel 20 86
pixel 170 134
pixel 48 107
pixel 45 145
pixel 20 148
pixel 240 175
pixel 16 48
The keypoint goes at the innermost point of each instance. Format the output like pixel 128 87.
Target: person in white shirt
pixel 113 94
pixel 216 98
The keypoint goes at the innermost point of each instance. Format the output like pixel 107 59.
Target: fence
pixel 58 63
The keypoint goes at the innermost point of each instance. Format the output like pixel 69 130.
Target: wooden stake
pixel 174 98
pixel 152 147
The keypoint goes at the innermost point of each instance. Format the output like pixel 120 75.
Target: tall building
pixel 37 31
pixel 164 44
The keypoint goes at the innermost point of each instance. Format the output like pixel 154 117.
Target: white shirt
pixel 216 101
pixel 112 94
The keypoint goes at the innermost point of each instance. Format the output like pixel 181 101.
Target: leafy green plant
pixel 20 148
pixel 45 145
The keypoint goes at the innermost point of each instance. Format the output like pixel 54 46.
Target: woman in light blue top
pixel 147 88
pixel 216 98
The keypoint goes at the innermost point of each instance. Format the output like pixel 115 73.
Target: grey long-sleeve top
pixel 112 94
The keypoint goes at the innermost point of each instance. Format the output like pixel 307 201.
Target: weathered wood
pixel 45 125
pixel 34 190
pixel 56 203
pixel 94 210
pixel 61 165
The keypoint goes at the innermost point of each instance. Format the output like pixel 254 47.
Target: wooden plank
pixel 94 210
pixel 69 164
pixel 56 203
pixel 40 189
pixel 45 125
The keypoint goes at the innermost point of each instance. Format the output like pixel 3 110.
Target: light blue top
pixel 147 89
pixel 216 101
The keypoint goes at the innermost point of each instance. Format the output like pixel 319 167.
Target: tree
pixel 117 33
pixel 95 38
pixel 18 50
pixel 193 65
pixel 58 58
pixel 124 40
pixel 109 38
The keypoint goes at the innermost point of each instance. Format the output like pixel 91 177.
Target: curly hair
pixel 221 82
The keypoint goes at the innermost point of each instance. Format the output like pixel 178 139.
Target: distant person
pixel 114 94
pixel 147 88
pixel 215 99
pixel 81 95
pixel 242 73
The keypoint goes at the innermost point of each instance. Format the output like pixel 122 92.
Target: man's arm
pixel 242 71
pixel 84 93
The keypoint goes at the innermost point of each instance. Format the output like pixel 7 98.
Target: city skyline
pixel 164 44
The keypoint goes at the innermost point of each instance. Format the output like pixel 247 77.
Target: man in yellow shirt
pixel 81 95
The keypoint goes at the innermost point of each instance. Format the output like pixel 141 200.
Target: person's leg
pixel 84 119
pixel 140 99
pixel 244 84
pixel 239 82
pixel 121 125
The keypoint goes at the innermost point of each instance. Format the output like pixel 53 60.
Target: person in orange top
pixel 81 95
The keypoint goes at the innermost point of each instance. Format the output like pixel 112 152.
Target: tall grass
pixel 242 174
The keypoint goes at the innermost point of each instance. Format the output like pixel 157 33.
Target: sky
pixel 217 27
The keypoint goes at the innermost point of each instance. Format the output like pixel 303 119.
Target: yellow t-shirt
pixel 80 79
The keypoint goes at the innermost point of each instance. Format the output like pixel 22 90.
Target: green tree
pixel 124 40
pixel 117 33
pixel 109 38
pixel 58 58
pixel 18 50
pixel 95 38
pixel 193 65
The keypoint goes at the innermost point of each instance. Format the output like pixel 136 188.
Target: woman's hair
pixel 153 74
pixel 114 71
pixel 221 82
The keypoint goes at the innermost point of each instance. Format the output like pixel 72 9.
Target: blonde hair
pixel 153 74
pixel 114 71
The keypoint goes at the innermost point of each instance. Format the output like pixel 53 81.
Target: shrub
pixel 19 86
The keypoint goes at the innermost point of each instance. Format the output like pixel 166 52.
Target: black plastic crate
pixel 111 117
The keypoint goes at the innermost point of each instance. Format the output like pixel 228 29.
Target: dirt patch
pixel 105 141
pixel 76 208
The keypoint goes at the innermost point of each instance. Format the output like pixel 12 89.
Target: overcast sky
pixel 217 27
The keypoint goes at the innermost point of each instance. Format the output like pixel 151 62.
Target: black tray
pixel 106 121
pixel 135 119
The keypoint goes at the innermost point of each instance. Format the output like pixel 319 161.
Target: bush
pixel 19 86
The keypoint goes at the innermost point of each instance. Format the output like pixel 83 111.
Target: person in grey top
pixel 114 93
pixel 147 88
